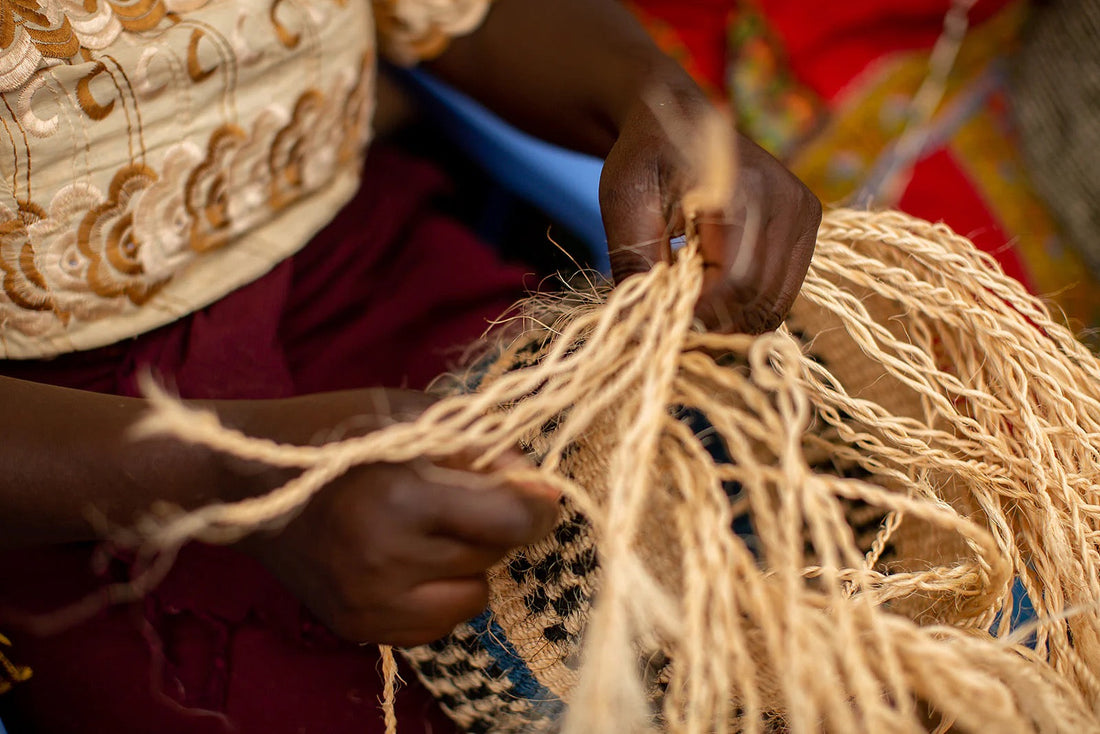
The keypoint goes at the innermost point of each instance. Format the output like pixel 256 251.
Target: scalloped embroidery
pixel 92 253
pixel 34 31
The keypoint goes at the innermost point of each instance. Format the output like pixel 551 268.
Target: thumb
pixel 634 220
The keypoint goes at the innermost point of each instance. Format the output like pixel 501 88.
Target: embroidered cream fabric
pixel 157 154
pixel 410 31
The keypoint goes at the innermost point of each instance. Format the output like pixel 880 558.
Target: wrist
pixel 648 77
pixel 570 71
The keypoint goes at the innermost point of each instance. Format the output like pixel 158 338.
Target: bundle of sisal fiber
pixel 815 529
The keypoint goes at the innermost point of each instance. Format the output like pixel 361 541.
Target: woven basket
pixel 513 667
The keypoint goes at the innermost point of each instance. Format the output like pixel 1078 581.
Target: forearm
pixel 584 73
pixel 570 71
pixel 67 459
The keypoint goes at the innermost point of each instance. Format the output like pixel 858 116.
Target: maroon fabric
pixel 386 295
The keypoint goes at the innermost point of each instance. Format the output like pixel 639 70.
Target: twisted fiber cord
pixel 389 689
pixel 980 434
pixel 1031 391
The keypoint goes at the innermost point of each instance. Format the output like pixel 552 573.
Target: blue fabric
pixel 562 183
pixel 525 684
pixel 1023 612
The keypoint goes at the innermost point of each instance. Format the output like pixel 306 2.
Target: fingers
pixel 756 296
pixel 502 516
pixel 414 616
pixel 793 237
pixel 634 213
pixel 444 526
pixel 394 552
pixel 756 253
pixel 755 262
pixel 441 605
pixel 403 558
pixel 436 558
pixel 436 544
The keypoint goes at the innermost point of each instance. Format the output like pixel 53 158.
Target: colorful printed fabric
pixel 829 92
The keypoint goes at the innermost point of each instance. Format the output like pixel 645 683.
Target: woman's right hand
pixel 392 553
pixel 387 553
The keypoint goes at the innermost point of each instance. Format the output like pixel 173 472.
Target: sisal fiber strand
pixel 816 529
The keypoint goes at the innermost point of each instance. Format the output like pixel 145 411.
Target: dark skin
pixel 395 553
pixel 591 85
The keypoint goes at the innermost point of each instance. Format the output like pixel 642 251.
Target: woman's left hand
pixel 756 239
pixel 583 73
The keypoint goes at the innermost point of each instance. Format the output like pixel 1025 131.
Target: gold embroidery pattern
pixel 122 246
pixel 32 31
pixel 156 154
pixel 411 31
pixel 105 237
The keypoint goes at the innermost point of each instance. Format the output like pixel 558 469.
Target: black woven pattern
pixel 472 687
pixel 555 581
pixel 479 674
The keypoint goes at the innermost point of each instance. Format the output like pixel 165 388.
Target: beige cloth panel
pixel 157 154
pixel 412 31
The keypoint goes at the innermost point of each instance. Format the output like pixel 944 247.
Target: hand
pixel 394 553
pixel 772 213
pixel 583 73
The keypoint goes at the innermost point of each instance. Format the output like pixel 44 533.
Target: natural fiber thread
pixel 389 688
pixel 979 430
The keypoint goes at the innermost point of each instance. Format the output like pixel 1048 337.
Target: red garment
pixel 827 45
pixel 826 87
pixel 830 45
pixel 383 296
pixel 693 32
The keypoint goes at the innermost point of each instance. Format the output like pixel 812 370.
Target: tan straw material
pixel 919 434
